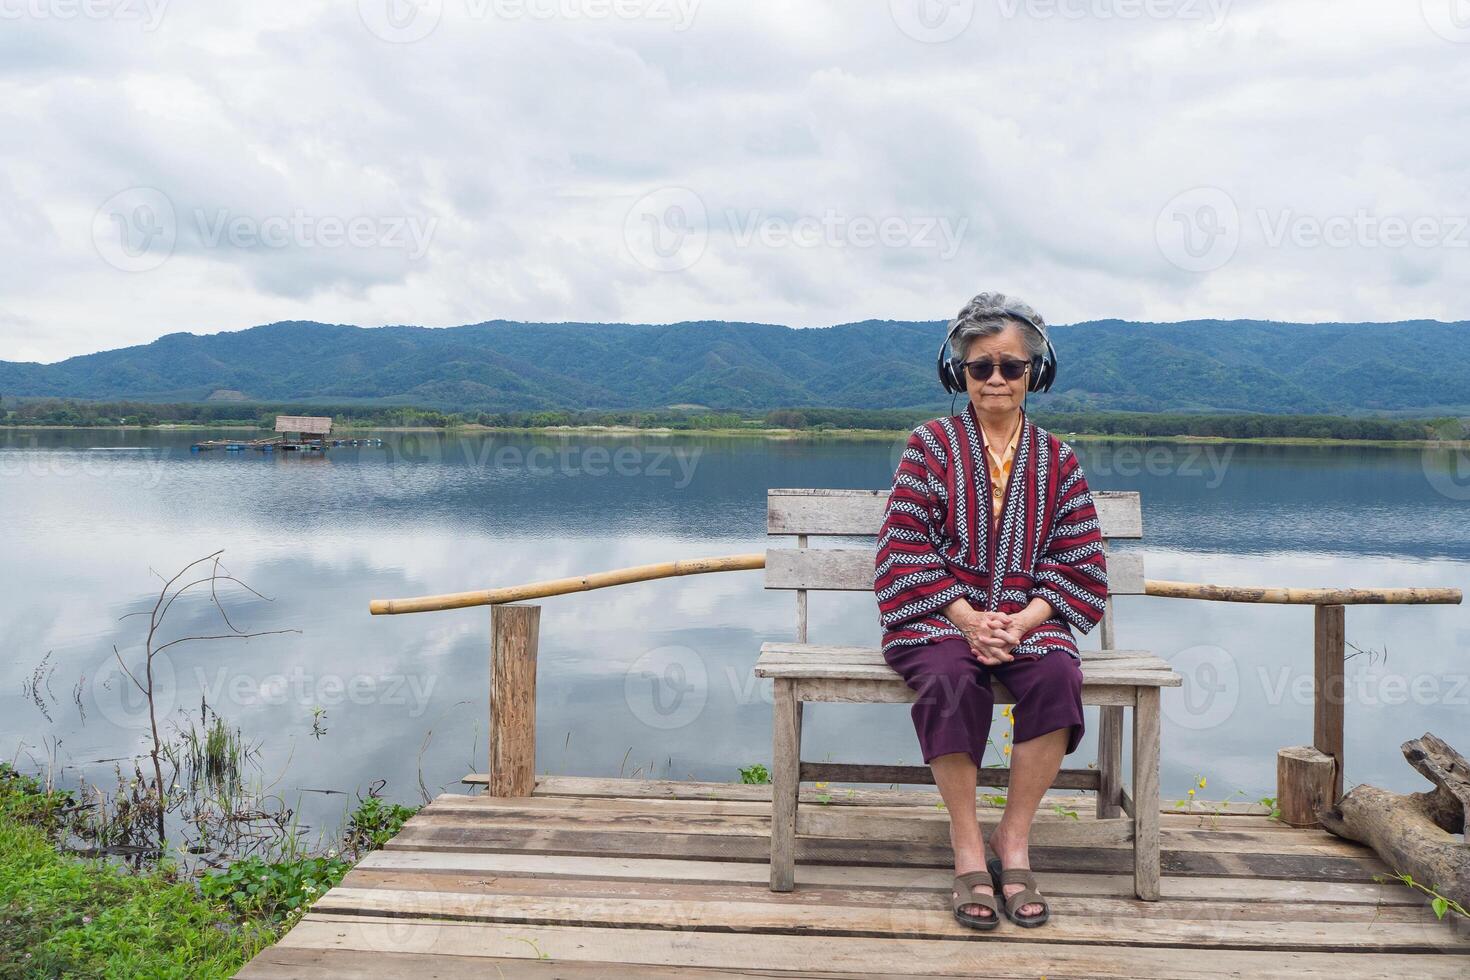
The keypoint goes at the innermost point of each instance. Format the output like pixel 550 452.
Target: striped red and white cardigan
pixel 938 541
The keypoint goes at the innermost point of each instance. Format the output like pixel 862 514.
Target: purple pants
pixel 955 702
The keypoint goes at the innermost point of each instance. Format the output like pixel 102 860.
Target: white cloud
pixel 291 141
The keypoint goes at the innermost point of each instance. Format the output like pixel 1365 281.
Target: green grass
pixel 65 916
pixel 62 916
pixel 24 800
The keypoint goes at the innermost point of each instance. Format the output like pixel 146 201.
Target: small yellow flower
pixel 1202 782
pixel 821 785
pixel 1007 750
pixel 1191 792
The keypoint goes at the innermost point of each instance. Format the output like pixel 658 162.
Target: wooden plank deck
pixel 632 878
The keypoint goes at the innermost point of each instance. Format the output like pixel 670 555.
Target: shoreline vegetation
pixel 190 862
pixel 780 424
pixel 71 910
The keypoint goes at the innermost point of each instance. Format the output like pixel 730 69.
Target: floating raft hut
pixel 302 433
pixel 294 433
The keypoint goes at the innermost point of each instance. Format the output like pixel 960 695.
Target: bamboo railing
pixel 755 560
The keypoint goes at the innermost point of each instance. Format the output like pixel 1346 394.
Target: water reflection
pixel 90 516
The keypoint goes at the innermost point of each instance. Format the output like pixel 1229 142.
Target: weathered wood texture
pixel 631 878
pixel 1306 779
pixel 1329 697
pixel 1418 834
pixel 1100 668
pixel 565 586
pixel 515 632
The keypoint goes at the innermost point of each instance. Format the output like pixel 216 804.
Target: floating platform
pixel 229 445
pixel 280 445
pixel 631 878
pixel 260 445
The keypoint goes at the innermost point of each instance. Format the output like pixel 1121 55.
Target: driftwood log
pixel 1418 834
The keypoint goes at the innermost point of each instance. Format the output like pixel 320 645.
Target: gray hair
pixel 985 316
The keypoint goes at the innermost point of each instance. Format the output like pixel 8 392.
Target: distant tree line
pixel 70 412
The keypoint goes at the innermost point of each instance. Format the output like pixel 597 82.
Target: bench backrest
pixel 819 513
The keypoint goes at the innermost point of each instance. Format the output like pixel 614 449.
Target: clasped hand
pixel 991 635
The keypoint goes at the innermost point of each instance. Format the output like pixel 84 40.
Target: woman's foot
pixel 971 858
pixel 1013 854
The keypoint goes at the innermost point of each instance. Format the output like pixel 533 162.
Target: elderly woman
pixel 989 553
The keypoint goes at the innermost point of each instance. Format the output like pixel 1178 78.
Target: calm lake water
pixel 654 678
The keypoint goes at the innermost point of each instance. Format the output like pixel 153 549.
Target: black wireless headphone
pixel 1043 366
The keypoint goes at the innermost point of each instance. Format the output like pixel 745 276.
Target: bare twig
pixel 169 594
pixel 221 636
pixel 424 790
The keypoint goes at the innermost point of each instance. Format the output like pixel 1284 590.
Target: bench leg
pixel 1146 794
pixel 1109 761
pixel 785 784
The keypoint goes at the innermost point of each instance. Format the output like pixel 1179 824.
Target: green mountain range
pixel 1408 368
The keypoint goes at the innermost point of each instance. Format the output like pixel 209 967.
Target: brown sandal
pixel 1028 895
pixel 964 885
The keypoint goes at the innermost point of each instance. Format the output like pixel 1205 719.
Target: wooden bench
pixel 801 671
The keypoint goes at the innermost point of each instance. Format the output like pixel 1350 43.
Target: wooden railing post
pixel 1329 692
pixel 1109 733
pixel 1308 776
pixel 514 632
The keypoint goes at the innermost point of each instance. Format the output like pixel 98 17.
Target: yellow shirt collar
pixel 1010 449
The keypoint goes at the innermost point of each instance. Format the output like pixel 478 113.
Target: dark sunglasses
pixel 1010 369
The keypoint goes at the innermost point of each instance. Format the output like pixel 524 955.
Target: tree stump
pixel 1306 779
pixel 1418 834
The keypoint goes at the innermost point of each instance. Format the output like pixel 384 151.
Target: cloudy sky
pixel 202 165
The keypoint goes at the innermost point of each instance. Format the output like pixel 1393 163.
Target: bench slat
pixel 859 672
pixel 892 690
pixel 796 666
pixel 820 511
pixel 817 661
pixel 852 569
pixel 774 651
